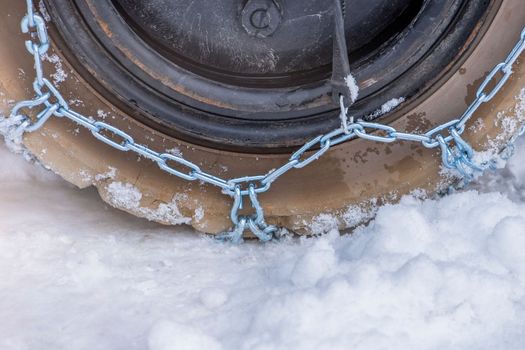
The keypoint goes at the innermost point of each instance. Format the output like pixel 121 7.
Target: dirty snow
pixel 424 274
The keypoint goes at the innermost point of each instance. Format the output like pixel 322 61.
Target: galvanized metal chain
pixel 456 153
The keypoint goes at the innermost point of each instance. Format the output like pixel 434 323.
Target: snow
pixel 10 132
pixel 391 104
pixel 167 335
pixel 424 274
pixel 127 196
pixel 388 106
pixel 60 75
pixel 352 86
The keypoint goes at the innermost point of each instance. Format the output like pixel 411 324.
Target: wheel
pixel 241 104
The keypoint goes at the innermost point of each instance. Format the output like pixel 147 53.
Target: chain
pixel 459 157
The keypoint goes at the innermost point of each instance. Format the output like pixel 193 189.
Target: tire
pixel 342 188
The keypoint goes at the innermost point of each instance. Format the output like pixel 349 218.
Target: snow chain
pixel 458 157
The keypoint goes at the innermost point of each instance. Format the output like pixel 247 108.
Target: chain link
pixel 34 22
pixel 458 157
pixel 255 222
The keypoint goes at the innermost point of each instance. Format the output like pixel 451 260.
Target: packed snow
pixel 424 274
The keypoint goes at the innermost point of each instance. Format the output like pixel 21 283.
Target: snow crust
pixel 424 274
pixel 127 196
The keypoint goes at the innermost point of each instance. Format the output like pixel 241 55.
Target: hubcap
pixel 254 75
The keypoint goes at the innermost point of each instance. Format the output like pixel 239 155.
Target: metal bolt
pixel 260 18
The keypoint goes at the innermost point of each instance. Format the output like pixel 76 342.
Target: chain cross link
pixel 458 157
